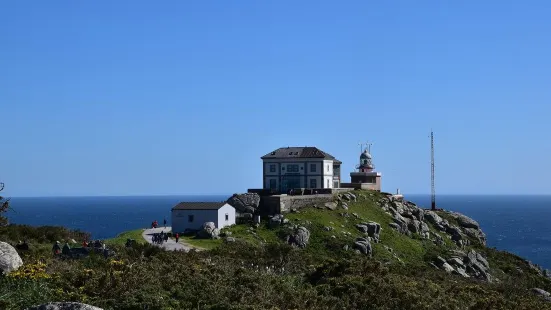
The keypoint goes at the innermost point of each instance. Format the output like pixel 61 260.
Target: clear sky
pixel 182 97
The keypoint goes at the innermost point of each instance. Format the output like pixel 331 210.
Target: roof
pixel 299 152
pixel 199 205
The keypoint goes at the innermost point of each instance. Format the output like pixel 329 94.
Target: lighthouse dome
pixel 365 154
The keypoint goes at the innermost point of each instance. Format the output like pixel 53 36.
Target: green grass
pixel 205 244
pixel 132 234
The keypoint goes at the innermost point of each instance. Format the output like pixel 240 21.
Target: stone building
pixel 300 167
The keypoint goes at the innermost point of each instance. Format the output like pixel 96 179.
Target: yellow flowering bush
pixel 31 271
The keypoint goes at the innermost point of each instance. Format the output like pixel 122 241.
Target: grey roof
pixel 300 152
pixel 199 205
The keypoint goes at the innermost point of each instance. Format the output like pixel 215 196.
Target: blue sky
pixel 181 97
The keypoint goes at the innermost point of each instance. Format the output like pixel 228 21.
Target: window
pixel 328 182
pixel 313 183
pixel 327 168
pixel 272 168
pixel 227 217
pixel 312 167
pixel 273 184
pixel 190 218
pixel 292 168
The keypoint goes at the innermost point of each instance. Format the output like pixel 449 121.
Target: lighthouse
pixel 365 176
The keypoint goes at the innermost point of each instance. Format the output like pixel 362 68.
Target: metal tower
pixel 432 191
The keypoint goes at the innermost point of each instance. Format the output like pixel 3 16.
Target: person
pixel 56 249
pixel 105 251
pixel 177 236
pixel 164 222
pixel 66 249
pixel 84 244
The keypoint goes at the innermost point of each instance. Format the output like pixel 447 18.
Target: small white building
pixel 300 167
pixel 192 215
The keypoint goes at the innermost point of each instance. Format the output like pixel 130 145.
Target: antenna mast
pixel 432 191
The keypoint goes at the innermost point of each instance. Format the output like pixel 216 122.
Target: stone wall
pixel 365 186
pixel 270 205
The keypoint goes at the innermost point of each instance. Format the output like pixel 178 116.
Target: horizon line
pixel 225 194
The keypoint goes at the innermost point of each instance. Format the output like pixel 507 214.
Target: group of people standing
pixel 159 238
pixel 66 251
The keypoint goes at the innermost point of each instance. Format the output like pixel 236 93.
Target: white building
pixel 300 167
pixel 192 215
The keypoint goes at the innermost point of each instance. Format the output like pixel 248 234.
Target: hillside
pixel 364 251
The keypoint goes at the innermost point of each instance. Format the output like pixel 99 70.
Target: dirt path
pixel 169 245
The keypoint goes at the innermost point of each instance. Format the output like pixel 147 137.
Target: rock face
pixel 64 306
pixel 299 237
pixel 245 203
pixel 409 219
pixel 470 264
pixel 209 231
pixel 544 294
pixel 9 259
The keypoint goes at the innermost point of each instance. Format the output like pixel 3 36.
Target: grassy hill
pixel 260 270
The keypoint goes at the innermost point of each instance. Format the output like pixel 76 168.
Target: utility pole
pixel 432 191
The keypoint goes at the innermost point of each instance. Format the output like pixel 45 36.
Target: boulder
pixel 245 203
pixel 414 226
pixel 364 246
pixel 64 306
pixel 465 221
pixel 208 231
pixel 477 234
pixel 540 292
pixel 432 217
pixel 276 221
pixel 344 205
pixel 299 237
pixel 454 261
pixel 373 230
pixel 447 268
pixel 331 205
pixel 419 214
pixel 9 259
pixel 362 228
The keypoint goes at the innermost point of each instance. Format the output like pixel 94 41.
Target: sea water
pixel 518 224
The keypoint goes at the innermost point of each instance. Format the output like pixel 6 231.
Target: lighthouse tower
pixel 365 174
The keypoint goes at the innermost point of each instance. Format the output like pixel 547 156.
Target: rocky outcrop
pixel 348 196
pixel 9 259
pixel 208 231
pixel 409 219
pixel 542 293
pixel 64 306
pixel 471 264
pixel 245 203
pixel 300 236
pixel 371 229
pixel 363 245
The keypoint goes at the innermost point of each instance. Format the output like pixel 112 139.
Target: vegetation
pixel 4 205
pixel 259 271
pixel 132 234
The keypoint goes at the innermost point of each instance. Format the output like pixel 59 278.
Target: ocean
pixel 518 224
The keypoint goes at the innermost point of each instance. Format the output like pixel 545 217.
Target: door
pixel 289 182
